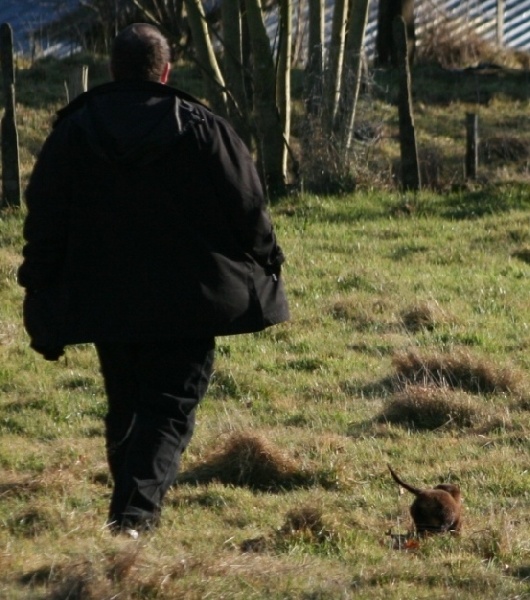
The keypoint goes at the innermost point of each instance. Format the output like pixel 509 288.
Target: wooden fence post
pixel 8 126
pixel 410 170
pixel 77 83
pixel 471 166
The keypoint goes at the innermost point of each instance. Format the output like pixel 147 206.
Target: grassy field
pixel 409 345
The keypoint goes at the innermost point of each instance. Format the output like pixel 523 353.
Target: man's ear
pixel 165 73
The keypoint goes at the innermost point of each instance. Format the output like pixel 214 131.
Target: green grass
pixel 371 277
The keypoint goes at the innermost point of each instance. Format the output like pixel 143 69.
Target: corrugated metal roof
pixel 481 14
pixel 28 17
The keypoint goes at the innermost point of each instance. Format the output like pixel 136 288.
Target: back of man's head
pixel 140 51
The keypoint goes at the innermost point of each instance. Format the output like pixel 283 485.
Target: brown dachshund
pixel 434 510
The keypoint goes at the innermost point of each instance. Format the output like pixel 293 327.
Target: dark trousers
pixel 153 390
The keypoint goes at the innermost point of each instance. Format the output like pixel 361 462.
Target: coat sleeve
pixel 45 226
pixel 239 189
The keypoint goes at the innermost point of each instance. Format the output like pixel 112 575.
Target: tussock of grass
pixel 349 310
pixel 30 523
pixel 492 543
pixel 424 315
pixel 302 525
pixel 458 370
pixel 250 461
pixel 305 518
pixel 429 407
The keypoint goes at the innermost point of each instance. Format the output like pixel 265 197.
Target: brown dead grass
pixel 304 524
pixel 457 370
pixel 251 461
pixel 430 407
pixel 424 315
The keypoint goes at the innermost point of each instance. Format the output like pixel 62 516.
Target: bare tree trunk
pixel 333 73
pixel 410 170
pixel 313 83
pixel 233 67
pixel 351 73
pixel 215 84
pixel 283 77
pixel 270 143
pixel 385 46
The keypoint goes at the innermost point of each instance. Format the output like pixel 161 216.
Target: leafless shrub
pixel 456 370
pixel 506 149
pixel 453 43
pixel 324 169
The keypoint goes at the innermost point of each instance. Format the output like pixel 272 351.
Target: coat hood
pixel 133 122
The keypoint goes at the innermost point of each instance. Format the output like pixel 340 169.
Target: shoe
pixel 131 528
pixel 131 533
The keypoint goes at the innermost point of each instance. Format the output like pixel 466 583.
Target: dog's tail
pixel 413 490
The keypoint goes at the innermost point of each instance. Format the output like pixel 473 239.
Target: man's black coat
pixel 146 220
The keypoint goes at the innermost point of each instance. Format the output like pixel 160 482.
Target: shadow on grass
pixel 490 200
pixel 522 572
pixel 434 84
pixel 467 203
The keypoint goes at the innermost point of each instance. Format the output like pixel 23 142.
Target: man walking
pixel 146 234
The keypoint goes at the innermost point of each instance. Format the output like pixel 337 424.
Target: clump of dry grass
pixel 358 316
pixel 423 315
pixel 251 461
pixel 493 543
pixel 304 524
pixel 457 370
pixel 429 407
pixel 305 518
